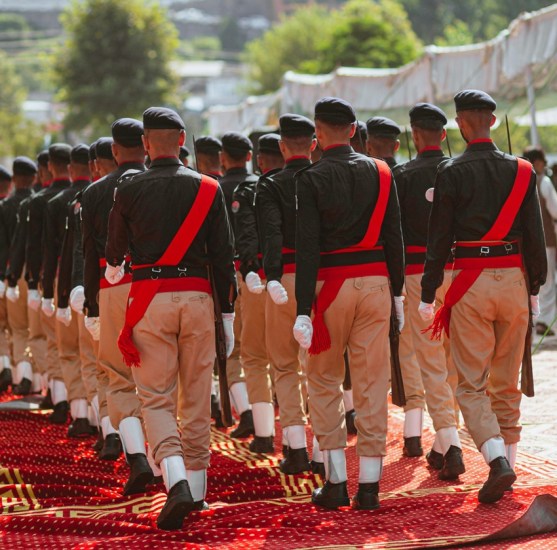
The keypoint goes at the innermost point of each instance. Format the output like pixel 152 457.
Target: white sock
pixel 106 426
pixel 510 451
pixel 24 370
pixel 295 436
pixel 493 448
pixel 239 397
pixel 316 454
pixel 5 362
pixel 437 445
pixel 37 385
pixel 335 465
pixel 132 436
pixel 413 420
pixel 263 419
pixel 151 460
pixel 173 470
pixel 58 392
pixel 94 416
pixel 371 468
pixel 78 408
pixel 348 398
pixel 197 480
pixel 448 437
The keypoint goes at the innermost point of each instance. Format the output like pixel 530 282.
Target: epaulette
pixel 128 176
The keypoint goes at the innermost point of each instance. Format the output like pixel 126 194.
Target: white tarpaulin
pixel 529 42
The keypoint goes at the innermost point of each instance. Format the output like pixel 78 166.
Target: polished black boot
pixel 177 506
pixel 296 462
pixel 245 428
pixel 80 427
pixel 453 464
pixel 215 412
pixel 318 468
pixel 140 474
pixel 412 446
pixel 46 402
pixel 97 447
pixel 331 495
pixel 434 459
pixel 367 497
pixel 501 477
pixel 351 422
pixel 60 413
pixel 263 445
pixel 23 388
pixel 5 379
pixel 112 448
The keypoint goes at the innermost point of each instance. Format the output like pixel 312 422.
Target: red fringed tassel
pixel 441 321
pixel 127 347
pixel 321 340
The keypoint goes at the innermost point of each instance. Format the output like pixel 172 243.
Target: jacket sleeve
pixel 51 248
pixel 77 254
pixel 247 239
pixel 17 249
pixel 4 244
pixel 34 244
pixel 117 243
pixel 65 268
pixel 91 268
pixel 269 220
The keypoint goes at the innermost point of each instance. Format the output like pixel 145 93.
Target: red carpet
pixel 56 494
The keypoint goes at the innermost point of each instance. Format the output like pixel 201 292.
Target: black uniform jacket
pixel 16 260
pixel 149 209
pixel 96 203
pixel 56 223
pixel 276 215
pixel 413 179
pixel 36 229
pixel 470 191
pixel 336 197
pixel 8 222
pixel 228 184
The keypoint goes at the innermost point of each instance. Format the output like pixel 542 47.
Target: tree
pixel 231 35
pixel 115 61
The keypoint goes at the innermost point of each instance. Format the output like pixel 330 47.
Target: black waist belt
pixel 168 272
pixel 487 251
pixel 351 258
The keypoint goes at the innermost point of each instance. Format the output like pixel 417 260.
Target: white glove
pixel 2 289
pixel 48 307
pixel 93 325
pixel 77 299
pixel 114 274
pixel 228 323
pixel 277 292
pixel 253 282
pixel 426 311
pixel 535 304
pixel 303 331
pixel 399 309
pixel 34 300
pixel 12 294
pixel 64 315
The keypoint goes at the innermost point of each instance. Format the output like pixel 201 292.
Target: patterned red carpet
pixel 55 494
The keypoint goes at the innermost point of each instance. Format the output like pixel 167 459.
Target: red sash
pixel 334 277
pixel 142 292
pixel 469 274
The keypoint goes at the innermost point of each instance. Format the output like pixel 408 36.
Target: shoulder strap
pixel 192 223
pixel 376 220
pixel 506 217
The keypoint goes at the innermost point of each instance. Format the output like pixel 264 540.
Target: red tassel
pixel 441 321
pixel 321 340
pixel 127 347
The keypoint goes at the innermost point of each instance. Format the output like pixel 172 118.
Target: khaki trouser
pixel 88 349
pixel 121 396
pixel 487 331
pixel 102 384
pixel 234 371
pixel 53 367
pixel 358 319
pixel 253 353
pixel 4 328
pixel 19 325
pixel 176 342
pixel 431 358
pixel 68 349
pixel 410 368
pixel 283 353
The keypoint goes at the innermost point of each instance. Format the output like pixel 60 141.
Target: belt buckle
pixel 154 272
pixel 484 250
pixel 182 271
pixel 508 248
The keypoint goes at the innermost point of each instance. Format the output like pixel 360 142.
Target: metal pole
pixel 534 135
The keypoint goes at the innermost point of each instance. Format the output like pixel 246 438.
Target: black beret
pixel 184 152
pixel 4 174
pixel 235 143
pixel 474 99
pixel 80 154
pixel 379 126
pixel 42 158
pixel 269 143
pixel 427 112
pixel 334 111
pixel 162 118
pixel 295 125
pixel 59 152
pixel 208 145
pixel 93 150
pixel 103 148
pixel 127 132
pixel 24 166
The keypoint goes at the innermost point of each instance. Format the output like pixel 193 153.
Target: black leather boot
pixel 112 448
pixel 331 495
pixel 23 388
pixel 5 379
pixel 367 497
pixel 60 413
pixel 501 477
pixel 296 462
pixel 177 506
pixel 81 427
pixel 140 474
pixel 453 464
pixel 245 428
pixel 412 446
pixel 97 447
pixel 318 468
pixel 47 403
pixel 351 422
pixel 215 412
pixel 264 445
pixel 434 459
